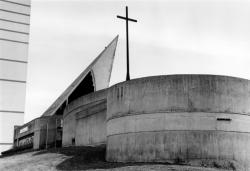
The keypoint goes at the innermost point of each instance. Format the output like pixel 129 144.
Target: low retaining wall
pixel 37 133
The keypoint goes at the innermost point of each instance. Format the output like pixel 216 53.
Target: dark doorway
pixel 85 87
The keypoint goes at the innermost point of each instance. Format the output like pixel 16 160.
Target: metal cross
pixel 127 19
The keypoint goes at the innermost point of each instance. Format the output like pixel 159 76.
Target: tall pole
pixel 128 75
pixel 127 39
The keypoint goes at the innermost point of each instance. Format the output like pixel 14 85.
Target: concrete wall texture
pixel 43 130
pixel 84 120
pixel 14 40
pixel 189 117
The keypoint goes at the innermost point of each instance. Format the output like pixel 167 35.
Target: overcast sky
pixel 170 37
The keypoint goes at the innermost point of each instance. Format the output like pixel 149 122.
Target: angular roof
pixel 100 68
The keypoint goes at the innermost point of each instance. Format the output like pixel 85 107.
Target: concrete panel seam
pixel 78 102
pixel 26 5
pixel 14 12
pixel 177 131
pixel 14 41
pixel 12 111
pixel 11 21
pixel 11 60
pixel 120 115
pixel 4 143
pixel 8 80
pixel 14 31
pixel 82 117
pixel 94 144
pixel 97 102
pixel 69 110
pixel 163 77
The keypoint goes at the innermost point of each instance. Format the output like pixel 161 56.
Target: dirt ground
pixel 82 159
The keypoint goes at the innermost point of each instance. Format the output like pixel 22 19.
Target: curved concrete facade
pixel 84 120
pixel 162 118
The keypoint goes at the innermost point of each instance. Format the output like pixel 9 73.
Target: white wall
pixel 14 40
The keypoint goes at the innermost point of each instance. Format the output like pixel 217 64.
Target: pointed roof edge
pixel 99 56
pixel 66 93
pixel 111 68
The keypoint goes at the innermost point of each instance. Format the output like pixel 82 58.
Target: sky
pixel 170 37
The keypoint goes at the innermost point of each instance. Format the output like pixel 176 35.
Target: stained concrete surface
pixel 85 120
pixel 38 129
pixel 166 118
pixel 189 117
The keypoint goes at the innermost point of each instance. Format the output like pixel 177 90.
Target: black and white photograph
pixel 125 85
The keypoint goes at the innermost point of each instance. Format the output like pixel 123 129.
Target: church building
pixel 166 118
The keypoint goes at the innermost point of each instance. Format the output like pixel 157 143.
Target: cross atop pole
pixel 127 19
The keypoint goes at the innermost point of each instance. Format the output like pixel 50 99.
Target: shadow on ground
pixel 84 158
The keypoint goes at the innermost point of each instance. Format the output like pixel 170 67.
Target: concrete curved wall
pixel 84 120
pixel 179 116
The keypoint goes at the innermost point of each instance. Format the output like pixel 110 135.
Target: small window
pixel 73 141
pixel 224 119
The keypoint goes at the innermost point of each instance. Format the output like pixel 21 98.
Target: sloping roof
pixel 101 67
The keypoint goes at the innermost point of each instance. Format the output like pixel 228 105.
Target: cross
pixel 127 19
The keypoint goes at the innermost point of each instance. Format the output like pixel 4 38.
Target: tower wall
pixel 14 40
pixel 187 117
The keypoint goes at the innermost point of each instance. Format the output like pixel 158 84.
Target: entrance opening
pixel 85 87
pixel 73 141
